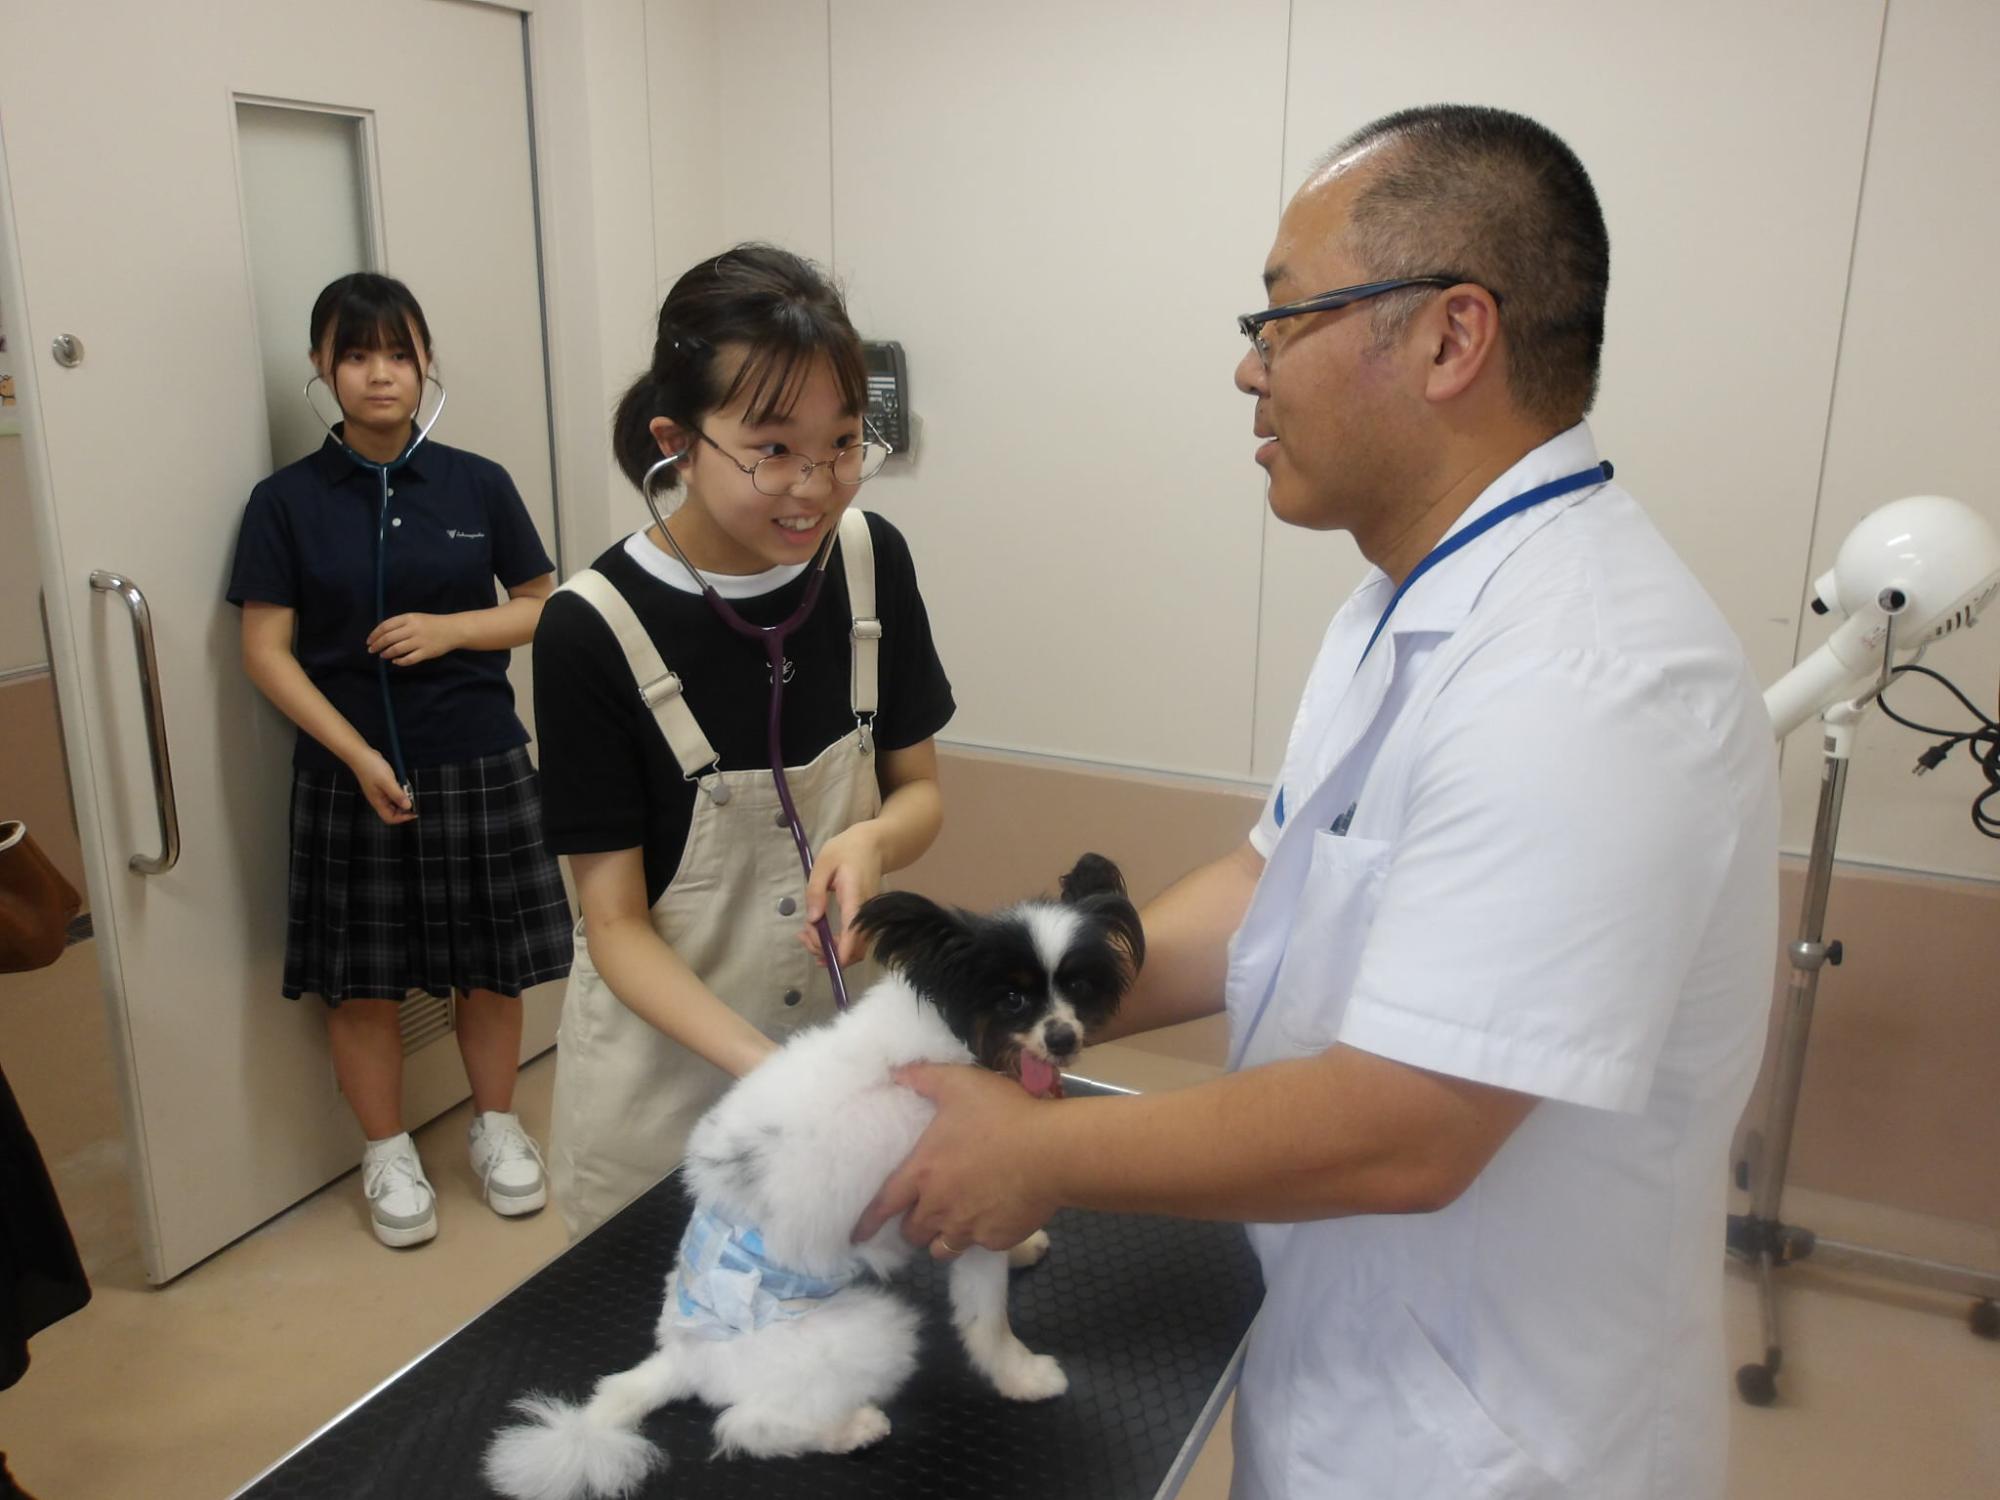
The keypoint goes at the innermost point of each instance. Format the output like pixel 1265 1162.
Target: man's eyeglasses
pixel 1252 324
pixel 779 474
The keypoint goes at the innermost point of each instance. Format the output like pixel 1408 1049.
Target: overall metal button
pixel 780 821
pixel 793 997
pixel 787 906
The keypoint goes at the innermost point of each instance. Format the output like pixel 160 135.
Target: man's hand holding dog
pixel 973 1179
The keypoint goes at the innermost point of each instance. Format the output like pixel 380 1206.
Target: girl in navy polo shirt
pixel 443 885
pixel 695 958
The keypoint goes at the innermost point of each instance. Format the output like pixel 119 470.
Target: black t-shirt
pixel 609 779
pixel 456 524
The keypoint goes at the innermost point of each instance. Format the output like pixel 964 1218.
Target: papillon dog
pixel 772 1314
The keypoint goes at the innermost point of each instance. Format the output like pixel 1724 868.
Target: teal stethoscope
pixel 382 473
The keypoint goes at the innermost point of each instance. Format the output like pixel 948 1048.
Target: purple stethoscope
pixel 773 639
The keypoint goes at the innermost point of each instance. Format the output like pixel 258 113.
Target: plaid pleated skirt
pixel 465 897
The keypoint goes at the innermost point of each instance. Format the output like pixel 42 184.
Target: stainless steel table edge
pixel 1211 1413
pixel 1204 1425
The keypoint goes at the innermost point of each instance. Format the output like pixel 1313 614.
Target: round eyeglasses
pixel 779 474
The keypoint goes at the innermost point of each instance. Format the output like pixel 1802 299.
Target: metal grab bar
pixel 156 724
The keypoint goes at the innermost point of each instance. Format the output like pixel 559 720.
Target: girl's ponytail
pixel 632 441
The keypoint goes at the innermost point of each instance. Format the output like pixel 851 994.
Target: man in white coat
pixel 1497 956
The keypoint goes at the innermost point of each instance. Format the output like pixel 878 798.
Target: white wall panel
pixel 1913 412
pixel 1726 143
pixel 740 148
pixel 1059 209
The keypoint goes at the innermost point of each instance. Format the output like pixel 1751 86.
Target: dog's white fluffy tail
pixel 592 1452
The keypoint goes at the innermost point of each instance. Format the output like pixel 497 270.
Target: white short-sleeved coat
pixel 1556 791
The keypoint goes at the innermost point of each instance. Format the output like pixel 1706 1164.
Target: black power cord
pixel 1982 743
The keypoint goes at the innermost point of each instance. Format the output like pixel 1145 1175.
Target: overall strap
pixel 657 685
pixel 857 556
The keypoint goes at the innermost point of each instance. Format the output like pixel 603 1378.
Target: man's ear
pixel 1465 341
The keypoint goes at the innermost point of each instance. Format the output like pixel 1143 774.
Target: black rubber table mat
pixel 1145 1314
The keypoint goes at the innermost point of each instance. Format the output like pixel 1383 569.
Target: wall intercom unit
pixel 889 394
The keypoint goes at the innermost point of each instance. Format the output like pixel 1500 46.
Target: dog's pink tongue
pixel 1038 1076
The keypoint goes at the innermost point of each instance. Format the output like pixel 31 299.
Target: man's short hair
pixel 1490 197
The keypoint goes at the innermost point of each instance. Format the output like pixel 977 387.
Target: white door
pixel 136 222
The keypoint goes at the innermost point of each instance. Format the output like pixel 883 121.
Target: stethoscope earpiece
pixel 422 430
pixel 667 462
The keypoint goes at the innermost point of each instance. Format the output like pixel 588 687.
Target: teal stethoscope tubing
pixel 382 473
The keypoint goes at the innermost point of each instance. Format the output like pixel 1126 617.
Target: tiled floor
pixel 193 1389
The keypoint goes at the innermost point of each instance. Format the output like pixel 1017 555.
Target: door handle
pixel 156 723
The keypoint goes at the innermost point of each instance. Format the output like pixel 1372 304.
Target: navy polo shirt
pixel 457 524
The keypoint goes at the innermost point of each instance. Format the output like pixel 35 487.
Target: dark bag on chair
pixel 36 903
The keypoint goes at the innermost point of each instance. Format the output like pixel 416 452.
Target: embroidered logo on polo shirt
pixel 464 536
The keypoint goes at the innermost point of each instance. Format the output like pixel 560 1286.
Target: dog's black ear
pixel 903 925
pixel 1121 924
pixel 1093 874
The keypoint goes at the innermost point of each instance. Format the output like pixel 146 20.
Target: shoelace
pixel 508 1143
pixel 375 1181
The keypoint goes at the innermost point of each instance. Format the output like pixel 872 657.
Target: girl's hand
pixel 384 792
pixel 849 865
pixel 408 639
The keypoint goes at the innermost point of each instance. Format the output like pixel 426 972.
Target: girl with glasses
pixel 695 955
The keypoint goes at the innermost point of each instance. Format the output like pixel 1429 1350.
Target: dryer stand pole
pixel 1760 1236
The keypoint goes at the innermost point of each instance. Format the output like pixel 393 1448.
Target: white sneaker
pixel 509 1164
pixel 401 1205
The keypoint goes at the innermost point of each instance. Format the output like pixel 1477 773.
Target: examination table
pixel 1147 1315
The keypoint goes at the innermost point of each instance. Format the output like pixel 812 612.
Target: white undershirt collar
pixel 671 571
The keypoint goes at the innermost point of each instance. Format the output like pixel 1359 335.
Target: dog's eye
pixel 1013 1003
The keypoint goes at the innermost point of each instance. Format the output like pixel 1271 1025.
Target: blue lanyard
pixel 1595 474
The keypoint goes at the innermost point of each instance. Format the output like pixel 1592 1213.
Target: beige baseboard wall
pixel 1901 1097
pixel 1901 1101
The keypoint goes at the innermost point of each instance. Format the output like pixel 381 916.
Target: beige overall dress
pixel 626 1095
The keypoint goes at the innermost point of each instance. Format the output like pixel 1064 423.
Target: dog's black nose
pixel 1060 1039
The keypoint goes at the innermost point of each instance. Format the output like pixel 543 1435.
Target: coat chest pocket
pixel 1330 927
